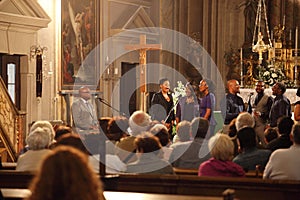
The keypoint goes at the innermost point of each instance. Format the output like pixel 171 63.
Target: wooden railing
pixel 12 126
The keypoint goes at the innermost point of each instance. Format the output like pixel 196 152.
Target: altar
pixel 290 94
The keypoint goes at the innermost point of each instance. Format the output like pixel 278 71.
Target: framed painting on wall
pixel 78 39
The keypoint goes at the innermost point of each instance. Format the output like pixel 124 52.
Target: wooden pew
pixel 18 194
pixel 245 188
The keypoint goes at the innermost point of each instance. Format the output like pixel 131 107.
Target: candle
pixel 241 55
pixel 271 35
pixel 283 23
pixel 296 40
pixel 290 35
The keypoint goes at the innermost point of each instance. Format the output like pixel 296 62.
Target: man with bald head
pixel 83 113
pixel 234 103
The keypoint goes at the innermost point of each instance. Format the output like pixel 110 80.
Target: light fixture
pixel 260 45
pixel 36 50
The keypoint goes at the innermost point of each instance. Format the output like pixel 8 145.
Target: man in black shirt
pixel 234 103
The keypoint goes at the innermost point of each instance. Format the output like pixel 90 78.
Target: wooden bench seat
pixel 245 188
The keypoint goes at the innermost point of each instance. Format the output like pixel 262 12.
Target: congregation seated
pixel 38 142
pixel 192 153
pixel 285 125
pixel 221 149
pixel 250 156
pixel 284 164
pixel 139 122
pixel 161 132
pixel 148 159
pixel 116 130
pixel 65 174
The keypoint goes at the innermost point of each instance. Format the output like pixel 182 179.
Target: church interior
pixel 120 49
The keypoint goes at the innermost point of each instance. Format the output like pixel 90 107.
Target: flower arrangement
pixel 273 74
pixel 178 91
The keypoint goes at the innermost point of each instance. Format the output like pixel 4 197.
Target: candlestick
pixel 296 40
pixel 241 56
pixel 271 35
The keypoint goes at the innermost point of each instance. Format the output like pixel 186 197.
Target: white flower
pixel 266 73
pixel 274 75
pixel 271 81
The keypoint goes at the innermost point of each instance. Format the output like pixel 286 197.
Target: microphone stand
pixel 110 106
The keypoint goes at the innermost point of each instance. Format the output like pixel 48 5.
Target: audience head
pixel 296 134
pixel 72 140
pixel 84 92
pixel 103 122
pixel 161 131
pixel 183 130
pixel 117 127
pixel 247 138
pixel 199 127
pixel 270 134
pixel 285 125
pixel 139 122
pixel 147 143
pixel 233 86
pixel 243 120
pixel 221 147
pixel 61 130
pixel 65 174
pixel 38 138
pixel 232 128
pixel 44 125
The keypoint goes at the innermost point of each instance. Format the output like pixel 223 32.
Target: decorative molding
pixel 144 3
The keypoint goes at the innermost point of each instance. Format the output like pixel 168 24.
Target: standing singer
pixel 162 105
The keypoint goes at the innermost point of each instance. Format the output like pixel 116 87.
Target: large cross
pixel 143 47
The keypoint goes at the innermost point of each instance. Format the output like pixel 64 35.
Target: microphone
pixel 97 97
pixel 251 93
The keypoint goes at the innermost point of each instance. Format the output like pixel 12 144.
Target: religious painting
pixel 78 39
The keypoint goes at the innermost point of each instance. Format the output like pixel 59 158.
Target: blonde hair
pixel 221 147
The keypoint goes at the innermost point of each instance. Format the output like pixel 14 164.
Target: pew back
pixel 245 188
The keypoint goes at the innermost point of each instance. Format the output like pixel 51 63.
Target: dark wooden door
pixel 128 102
pixel 10 73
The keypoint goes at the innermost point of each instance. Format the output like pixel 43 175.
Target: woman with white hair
pixel 38 142
pixel 221 149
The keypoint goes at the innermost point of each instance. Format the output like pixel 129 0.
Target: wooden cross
pixel 143 47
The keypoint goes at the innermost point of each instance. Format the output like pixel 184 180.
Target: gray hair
pixel 183 131
pixel 139 122
pixel 244 120
pixel 44 125
pixel 38 139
